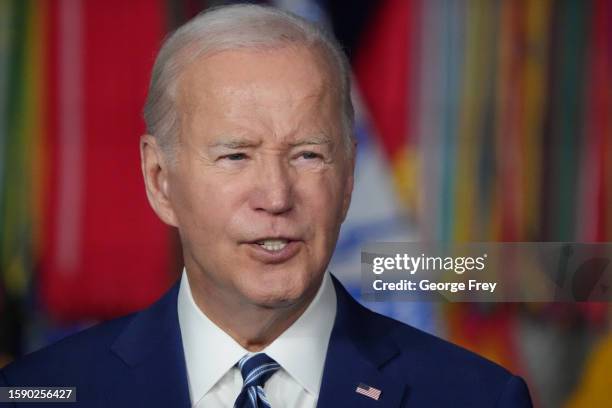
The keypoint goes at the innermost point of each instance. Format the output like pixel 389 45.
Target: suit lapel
pixel 355 355
pixel 152 349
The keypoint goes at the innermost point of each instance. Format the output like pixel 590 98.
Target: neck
pixel 253 326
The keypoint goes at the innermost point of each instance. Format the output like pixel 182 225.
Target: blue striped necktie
pixel 255 369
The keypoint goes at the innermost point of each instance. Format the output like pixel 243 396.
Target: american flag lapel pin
pixel 368 391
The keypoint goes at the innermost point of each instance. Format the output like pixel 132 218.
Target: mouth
pixel 273 250
pixel 273 245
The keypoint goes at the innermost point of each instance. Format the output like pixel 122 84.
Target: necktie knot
pixel 256 369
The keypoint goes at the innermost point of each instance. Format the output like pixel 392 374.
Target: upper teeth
pixel 273 244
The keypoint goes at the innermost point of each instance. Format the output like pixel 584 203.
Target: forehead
pixel 246 63
pixel 240 67
pixel 281 82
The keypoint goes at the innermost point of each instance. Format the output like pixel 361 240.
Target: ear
pixel 155 172
pixel 350 181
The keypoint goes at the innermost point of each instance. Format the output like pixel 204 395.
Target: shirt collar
pixel 302 348
pixel 210 352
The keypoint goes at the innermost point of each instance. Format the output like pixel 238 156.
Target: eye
pixel 309 155
pixel 235 156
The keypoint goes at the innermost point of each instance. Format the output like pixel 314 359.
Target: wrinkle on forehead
pixel 258 90
pixel 206 66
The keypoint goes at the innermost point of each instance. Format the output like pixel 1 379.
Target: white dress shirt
pixel 211 354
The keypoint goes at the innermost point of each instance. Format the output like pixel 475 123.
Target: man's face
pixel 263 178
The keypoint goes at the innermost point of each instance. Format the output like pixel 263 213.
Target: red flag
pixel 382 70
pixel 104 252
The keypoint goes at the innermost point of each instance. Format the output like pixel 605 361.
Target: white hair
pixel 228 28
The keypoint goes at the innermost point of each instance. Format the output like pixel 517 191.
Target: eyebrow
pixel 316 140
pixel 245 143
pixel 234 143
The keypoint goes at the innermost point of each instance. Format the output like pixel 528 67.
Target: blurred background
pixel 477 120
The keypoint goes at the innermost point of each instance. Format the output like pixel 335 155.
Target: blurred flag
pixel 21 110
pixel 386 68
pixel 104 252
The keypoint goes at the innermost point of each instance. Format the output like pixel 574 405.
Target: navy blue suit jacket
pixel 138 361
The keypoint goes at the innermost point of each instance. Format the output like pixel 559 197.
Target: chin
pixel 276 294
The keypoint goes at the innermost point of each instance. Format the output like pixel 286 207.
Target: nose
pixel 274 191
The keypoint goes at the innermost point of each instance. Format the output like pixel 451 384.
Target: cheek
pixel 322 196
pixel 207 204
